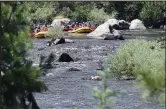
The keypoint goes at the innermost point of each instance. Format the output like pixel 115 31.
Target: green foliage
pixel 66 11
pixel 55 32
pixel 162 40
pixel 152 12
pixel 108 6
pixel 41 11
pixel 151 71
pixel 81 12
pixel 104 96
pixel 99 16
pixel 128 10
pixel 19 79
pixel 142 59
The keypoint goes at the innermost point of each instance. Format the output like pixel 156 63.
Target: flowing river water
pixel 66 89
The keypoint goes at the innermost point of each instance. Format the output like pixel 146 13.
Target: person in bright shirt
pixel 44 28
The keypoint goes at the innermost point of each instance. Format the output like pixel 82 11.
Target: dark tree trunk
pixel 33 101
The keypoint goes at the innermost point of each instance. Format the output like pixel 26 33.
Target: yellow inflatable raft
pixel 40 34
pixel 82 30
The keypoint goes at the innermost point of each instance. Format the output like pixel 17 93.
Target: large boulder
pixel 60 22
pixel 103 32
pixel 113 23
pixel 99 31
pixel 123 24
pixel 137 24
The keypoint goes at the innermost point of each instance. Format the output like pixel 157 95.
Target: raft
pixel 40 34
pixel 68 29
pixel 82 30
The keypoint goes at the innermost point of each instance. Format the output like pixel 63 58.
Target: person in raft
pixel 44 27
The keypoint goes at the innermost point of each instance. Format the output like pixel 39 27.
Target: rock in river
pixel 137 24
pixel 65 58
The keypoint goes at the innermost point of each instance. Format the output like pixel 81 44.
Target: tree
pixel 41 11
pixel 19 79
pixel 152 14
pixel 128 10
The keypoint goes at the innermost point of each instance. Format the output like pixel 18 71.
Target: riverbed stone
pixel 65 58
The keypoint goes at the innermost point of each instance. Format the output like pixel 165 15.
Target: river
pixel 68 90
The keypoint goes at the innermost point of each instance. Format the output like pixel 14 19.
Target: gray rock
pixel 49 74
pixel 73 69
pixel 137 24
pixel 107 36
pixel 103 31
pixel 65 58
pixel 112 22
pixel 59 41
pixel 100 30
pixel 123 24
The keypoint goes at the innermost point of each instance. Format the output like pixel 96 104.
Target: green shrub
pixel 55 32
pixel 80 13
pixel 151 72
pixel 151 12
pixel 99 16
pixel 66 11
pixel 143 59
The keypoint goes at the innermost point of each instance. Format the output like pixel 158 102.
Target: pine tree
pixel 19 79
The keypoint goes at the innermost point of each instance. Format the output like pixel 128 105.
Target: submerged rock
pixel 49 74
pixel 73 69
pixel 59 41
pixel 69 41
pixel 65 58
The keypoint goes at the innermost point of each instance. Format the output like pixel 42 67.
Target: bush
pixel 66 11
pixel 80 13
pixel 151 13
pixel 151 72
pixel 128 10
pixel 99 16
pixel 55 32
pixel 142 59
